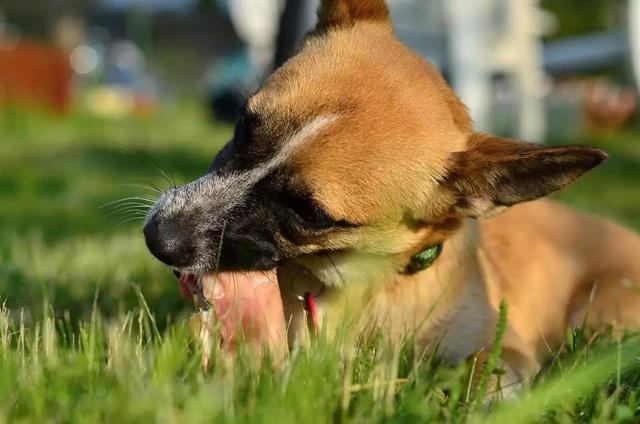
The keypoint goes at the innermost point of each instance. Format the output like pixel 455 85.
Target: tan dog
pixel 351 170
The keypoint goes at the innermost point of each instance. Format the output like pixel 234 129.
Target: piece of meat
pixel 248 307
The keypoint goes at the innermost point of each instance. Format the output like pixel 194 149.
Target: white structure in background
pixel 499 37
pixel 472 42
pixel 634 38
pixel 256 22
pixel 469 51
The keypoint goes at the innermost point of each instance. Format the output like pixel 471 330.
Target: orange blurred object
pixel 607 106
pixel 34 74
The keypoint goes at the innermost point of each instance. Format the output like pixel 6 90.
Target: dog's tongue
pixel 248 305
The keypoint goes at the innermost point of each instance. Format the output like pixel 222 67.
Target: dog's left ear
pixel 338 13
pixel 496 173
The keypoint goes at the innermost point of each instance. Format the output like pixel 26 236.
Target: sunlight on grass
pixel 123 369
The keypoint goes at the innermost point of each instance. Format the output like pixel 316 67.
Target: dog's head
pixel 354 156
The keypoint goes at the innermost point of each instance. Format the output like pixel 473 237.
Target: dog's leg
pixel 609 302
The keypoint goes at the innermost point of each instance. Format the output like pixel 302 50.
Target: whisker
pixel 219 253
pixel 130 209
pixel 136 218
pixel 336 268
pixel 150 200
pixel 171 181
pixel 126 211
pixel 144 186
pixel 131 202
pixel 134 215
pixel 155 187
pixel 130 206
pixel 199 286
pixel 235 284
pixel 239 84
pixel 262 77
pixel 264 274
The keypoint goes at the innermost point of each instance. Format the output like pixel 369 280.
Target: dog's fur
pixel 355 156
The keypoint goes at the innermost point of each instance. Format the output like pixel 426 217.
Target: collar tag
pixel 423 260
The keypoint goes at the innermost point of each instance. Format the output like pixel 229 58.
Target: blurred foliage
pixel 582 16
pixel 37 17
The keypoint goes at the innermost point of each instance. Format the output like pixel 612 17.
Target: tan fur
pixel 401 160
pixel 335 13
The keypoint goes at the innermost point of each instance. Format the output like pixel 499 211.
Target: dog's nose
pixel 174 253
pixel 152 237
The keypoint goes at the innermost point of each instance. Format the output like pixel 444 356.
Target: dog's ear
pixel 496 173
pixel 336 13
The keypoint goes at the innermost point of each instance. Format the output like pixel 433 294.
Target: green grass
pixel 93 328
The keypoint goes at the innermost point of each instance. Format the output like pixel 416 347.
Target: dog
pixel 355 182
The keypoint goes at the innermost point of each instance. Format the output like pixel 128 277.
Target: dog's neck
pixel 442 297
pixel 439 303
pixel 452 269
pixel 434 293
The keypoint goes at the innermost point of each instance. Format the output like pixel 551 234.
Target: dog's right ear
pixel 337 13
pixel 495 173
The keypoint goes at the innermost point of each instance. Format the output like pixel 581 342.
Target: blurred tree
pixel 207 5
pixel 36 18
pixel 582 16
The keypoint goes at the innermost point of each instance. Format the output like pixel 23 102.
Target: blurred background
pixel 105 102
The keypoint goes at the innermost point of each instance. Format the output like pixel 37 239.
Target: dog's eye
pixel 307 210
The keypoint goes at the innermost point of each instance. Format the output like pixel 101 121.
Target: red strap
pixel 312 313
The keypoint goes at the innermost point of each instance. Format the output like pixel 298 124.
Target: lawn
pixel 93 328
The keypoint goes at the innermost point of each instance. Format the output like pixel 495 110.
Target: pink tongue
pixel 248 306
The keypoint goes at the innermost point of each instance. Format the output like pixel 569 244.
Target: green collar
pixel 424 259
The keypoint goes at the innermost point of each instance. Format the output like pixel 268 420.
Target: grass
pixel 93 329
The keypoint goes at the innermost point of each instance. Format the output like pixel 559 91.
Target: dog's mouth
pixel 247 305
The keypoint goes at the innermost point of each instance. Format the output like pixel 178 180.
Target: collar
pixel 423 260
